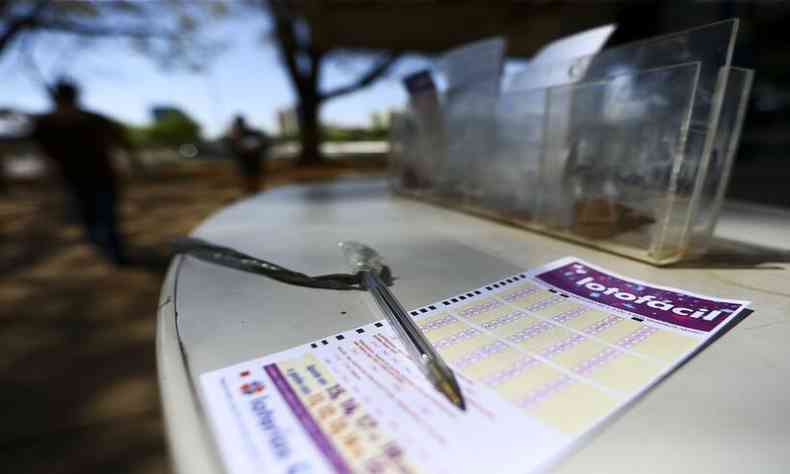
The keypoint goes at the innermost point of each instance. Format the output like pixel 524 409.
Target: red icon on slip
pixel 252 388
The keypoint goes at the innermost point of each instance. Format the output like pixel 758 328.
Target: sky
pixel 245 78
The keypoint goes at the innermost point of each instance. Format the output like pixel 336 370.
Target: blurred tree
pixel 171 128
pixel 167 30
pixel 304 61
pixel 170 31
pixel 332 133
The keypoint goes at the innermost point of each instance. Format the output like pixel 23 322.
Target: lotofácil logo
pixel 640 299
pixel 649 300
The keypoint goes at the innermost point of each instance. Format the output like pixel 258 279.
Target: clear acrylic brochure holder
pixel 628 150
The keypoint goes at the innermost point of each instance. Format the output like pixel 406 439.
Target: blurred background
pixel 123 124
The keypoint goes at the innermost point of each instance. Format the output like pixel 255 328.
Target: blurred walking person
pixel 80 144
pixel 249 147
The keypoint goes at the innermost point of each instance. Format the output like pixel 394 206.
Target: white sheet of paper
pixel 576 45
pixel 550 65
pixel 543 358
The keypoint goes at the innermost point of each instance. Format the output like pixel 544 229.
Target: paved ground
pixel 78 391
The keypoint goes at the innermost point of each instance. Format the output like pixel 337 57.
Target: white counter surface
pixel 727 410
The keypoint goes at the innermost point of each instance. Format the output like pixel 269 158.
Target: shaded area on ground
pixel 77 361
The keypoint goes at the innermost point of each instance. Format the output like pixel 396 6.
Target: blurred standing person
pixel 80 143
pixel 248 147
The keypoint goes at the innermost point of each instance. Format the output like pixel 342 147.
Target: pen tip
pixel 452 392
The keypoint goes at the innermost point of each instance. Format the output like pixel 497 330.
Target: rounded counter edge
pixel 190 448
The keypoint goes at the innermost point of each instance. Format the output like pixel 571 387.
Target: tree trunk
pixel 310 130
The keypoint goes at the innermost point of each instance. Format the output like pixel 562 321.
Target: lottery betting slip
pixel 542 357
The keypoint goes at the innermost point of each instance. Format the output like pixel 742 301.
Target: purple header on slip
pixel 308 423
pixel 673 307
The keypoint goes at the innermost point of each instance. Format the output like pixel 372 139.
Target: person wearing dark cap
pixel 80 144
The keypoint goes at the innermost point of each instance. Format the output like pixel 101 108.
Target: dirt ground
pixel 78 385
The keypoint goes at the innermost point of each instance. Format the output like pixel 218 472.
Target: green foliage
pixel 137 135
pixel 173 129
pixel 332 133
pixel 355 134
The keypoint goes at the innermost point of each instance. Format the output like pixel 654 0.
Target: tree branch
pixel 30 62
pixel 18 25
pixel 39 19
pixel 82 29
pixel 376 71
